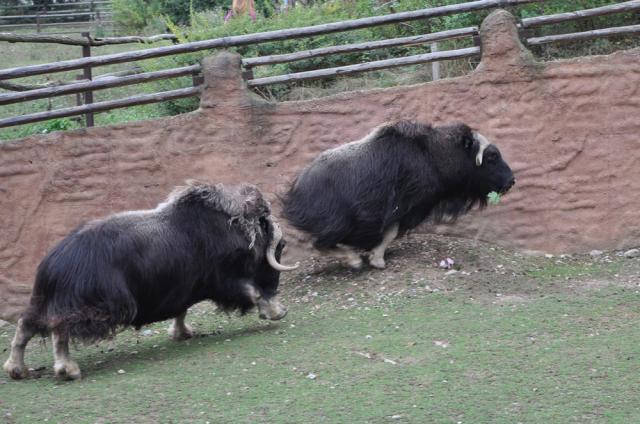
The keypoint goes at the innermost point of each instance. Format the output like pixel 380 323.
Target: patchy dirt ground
pixel 485 272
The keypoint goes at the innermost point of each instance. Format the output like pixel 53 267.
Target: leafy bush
pixel 210 24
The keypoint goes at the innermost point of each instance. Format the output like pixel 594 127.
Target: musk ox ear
pixel 465 135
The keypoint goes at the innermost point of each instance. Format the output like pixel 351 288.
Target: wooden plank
pixel 83 24
pixel 358 47
pixel 102 106
pixel 74 41
pixel 261 37
pixel 26 87
pixel 627 6
pixel 97 84
pixel 365 67
pixel 585 35
pixel 48 15
pixel 87 75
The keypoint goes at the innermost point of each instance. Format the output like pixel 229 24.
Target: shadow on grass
pixel 106 362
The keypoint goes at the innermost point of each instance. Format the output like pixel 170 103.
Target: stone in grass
pixel 632 253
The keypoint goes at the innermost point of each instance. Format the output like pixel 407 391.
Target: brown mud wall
pixel 569 129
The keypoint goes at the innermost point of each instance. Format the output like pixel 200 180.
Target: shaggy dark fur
pixel 402 173
pixel 135 268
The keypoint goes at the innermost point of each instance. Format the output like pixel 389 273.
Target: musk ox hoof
pixel 15 371
pixel 178 333
pixel 355 263
pixel 377 262
pixel 68 370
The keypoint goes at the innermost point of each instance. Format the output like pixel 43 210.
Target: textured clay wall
pixel 569 129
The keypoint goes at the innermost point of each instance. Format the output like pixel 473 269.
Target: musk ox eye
pixel 492 157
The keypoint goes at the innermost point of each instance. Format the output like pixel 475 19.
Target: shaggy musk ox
pixel 365 193
pixel 134 268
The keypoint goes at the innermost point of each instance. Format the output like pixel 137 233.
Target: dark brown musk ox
pixel 364 194
pixel 205 242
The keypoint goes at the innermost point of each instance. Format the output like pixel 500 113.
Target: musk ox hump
pixel 244 200
pixel 408 129
pixel 244 203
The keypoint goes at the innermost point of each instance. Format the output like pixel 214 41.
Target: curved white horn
pixel 484 143
pixel 271 250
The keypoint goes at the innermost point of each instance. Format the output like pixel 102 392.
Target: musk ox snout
pixel 271 309
pixel 510 184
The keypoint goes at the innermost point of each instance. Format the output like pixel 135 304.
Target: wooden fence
pixel 88 85
pixel 79 13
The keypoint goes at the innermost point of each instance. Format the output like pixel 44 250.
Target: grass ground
pixel 508 338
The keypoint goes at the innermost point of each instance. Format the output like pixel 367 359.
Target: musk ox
pixel 366 193
pixel 134 268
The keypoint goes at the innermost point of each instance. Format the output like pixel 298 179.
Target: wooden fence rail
pixel 241 40
pixel 57 14
pixel 628 6
pixel 350 48
pixel 85 41
pixel 99 84
pixel 585 35
pixel 142 99
pixel 87 63
pixel 365 67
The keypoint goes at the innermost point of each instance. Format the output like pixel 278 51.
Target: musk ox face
pixel 489 171
pixel 264 293
pixel 493 173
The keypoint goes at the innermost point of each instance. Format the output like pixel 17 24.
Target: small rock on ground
pixel 632 253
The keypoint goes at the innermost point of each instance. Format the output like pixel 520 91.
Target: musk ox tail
pixel 77 292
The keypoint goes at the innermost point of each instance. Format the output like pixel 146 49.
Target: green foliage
pixel 61 124
pixel 493 198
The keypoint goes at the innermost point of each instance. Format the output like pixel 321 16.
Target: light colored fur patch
pixel 346 253
pixel 271 309
pixel 14 366
pixel 484 143
pixel 180 330
pixel 376 256
pixel 353 147
pixel 63 366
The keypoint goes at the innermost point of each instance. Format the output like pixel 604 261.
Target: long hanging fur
pixel 402 173
pixel 138 267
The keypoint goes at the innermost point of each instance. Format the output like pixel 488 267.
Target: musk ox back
pixel 134 268
pixel 365 193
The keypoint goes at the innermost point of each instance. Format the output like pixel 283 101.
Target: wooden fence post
pixel 88 95
pixel 435 66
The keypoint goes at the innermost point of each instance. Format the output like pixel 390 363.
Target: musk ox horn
pixel 271 250
pixel 484 143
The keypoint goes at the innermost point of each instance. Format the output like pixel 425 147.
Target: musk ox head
pixel 483 164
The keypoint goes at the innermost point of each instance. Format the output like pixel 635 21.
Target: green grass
pixel 554 358
pixel 566 271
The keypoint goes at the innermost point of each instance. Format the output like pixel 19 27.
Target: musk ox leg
pixel 63 366
pixel 376 256
pixel 179 330
pixel 15 366
pixel 346 253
